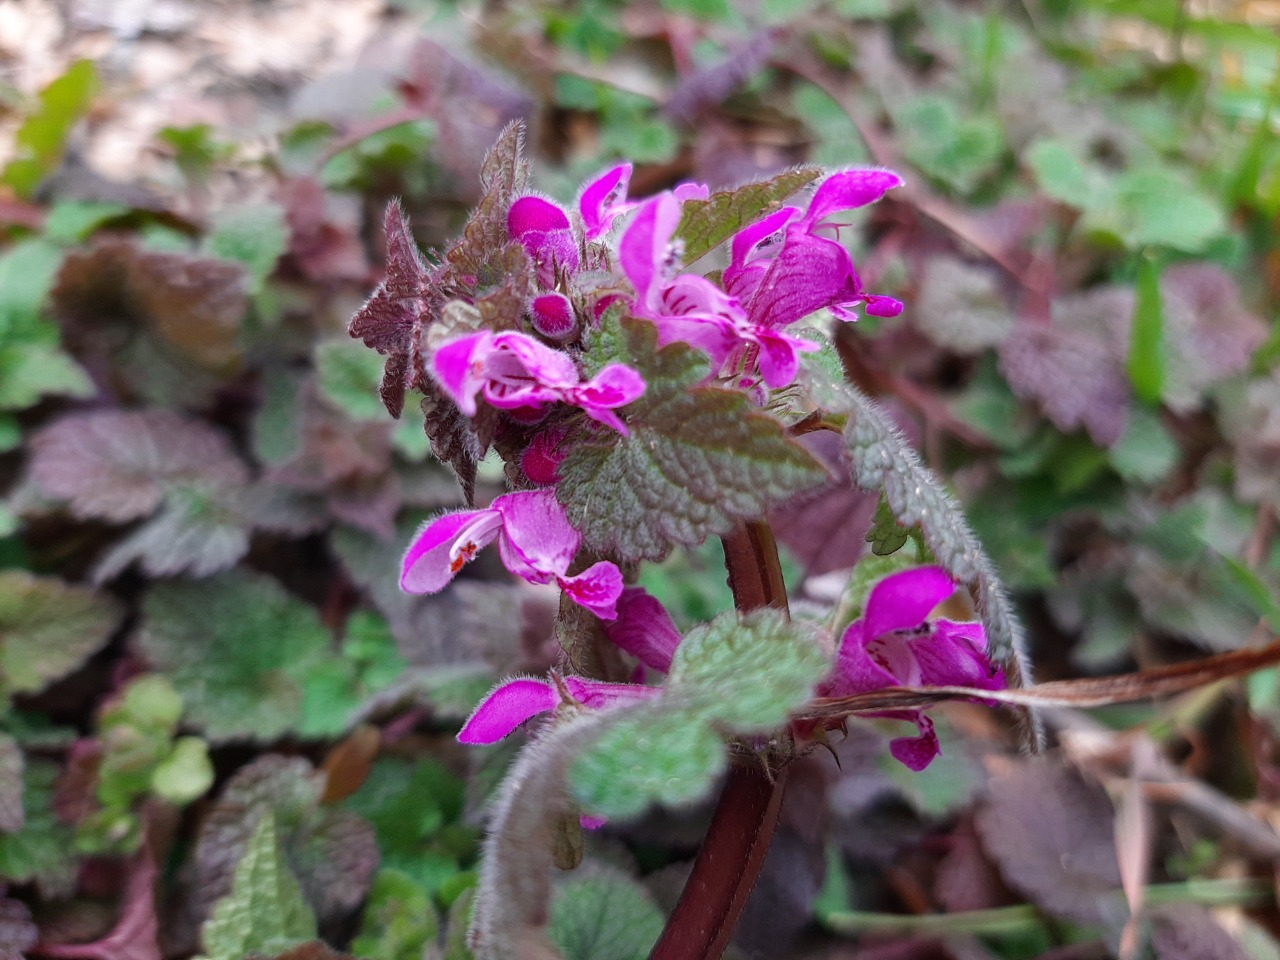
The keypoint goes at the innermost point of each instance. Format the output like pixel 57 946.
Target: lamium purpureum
pixel 640 403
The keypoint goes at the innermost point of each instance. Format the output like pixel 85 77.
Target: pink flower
pixel 535 540
pixel 894 644
pixel 543 228
pixel 643 628
pixel 692 309
pixel 603 199
pixel 789 265
pixel 514 372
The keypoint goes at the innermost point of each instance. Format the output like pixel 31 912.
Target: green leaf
pixel 705 224
pixel 29 371
pixel 399 919
pixel 349 374
pixel 186 774
pixel 12 764
pixel 605 917
pixel 957 151
pixel 27 270
pixel 1064 176
pixel 255 235
pixel 48 628
pixel 264 912
pixel 331 851
pixel 1147 451
pixel 41 139
pixel 657 753
pixel 748 670
pixel 886 535
pixel 1146 342
pixel 43 851
pixel 237 648
pixel 73 221
pixel 1156 207
pixel 697 459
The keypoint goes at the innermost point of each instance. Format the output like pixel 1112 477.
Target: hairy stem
pixel 734 850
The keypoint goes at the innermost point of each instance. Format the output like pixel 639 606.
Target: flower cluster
pixel 531 381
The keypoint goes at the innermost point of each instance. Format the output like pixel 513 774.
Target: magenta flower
pixel 643 628
pixel 603 199
pixel 516 372
pixel 894 644
pixel 535 540
pixel 692 309
pixel 552 316
pixel 789 265
pixel 543 228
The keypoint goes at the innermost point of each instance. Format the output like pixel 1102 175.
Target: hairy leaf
pixel 29 371
pixel 117 465
pixel 660 752
pixel 348 376
pixel 697 459
pixel 389 319
pixel 237 648
pixel 48 628
pixel 705 224
pixel 332 851
pixel 43 851
pixel 886 535
pixel 607 916
pixel 749 670
pixel 882 460
pixel 264 912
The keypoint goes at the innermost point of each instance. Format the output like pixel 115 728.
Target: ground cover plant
pixel 809 371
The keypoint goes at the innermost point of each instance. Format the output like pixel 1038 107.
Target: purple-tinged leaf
pixel 1050 833
pixel 17 931
pixel 48 628
pixel 118 465
pixel 332 851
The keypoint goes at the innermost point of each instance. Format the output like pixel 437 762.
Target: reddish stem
pixel 737 842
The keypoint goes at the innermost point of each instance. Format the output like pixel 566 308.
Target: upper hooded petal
pixel 505 707
pixel 644 247
pixel 428 564
pixel 849 190
pixel 538 542
pixel 458 364
pixel 603 199
pixel 903 601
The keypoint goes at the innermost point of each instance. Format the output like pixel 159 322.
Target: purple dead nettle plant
pixel 640 404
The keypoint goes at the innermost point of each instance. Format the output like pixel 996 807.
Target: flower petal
pixel 918 752
pixel 644 248
pixel 601 693
pixel 428 564
pixel 764 237
pixel 602 200
pixel 856 671
pixel 538 542
pixel 457 364
pixel 542 457
pixel 644 629
pixel 849 190
pixel 809 273
pixel 507 706
pixel 955 654
pixel 597 588
pixel 535 215
pixel 882 306
pixel 779 358
pixel 902 601
pixel 615 386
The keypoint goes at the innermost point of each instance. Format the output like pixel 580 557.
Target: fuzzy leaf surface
pixel 43 851
pixel 237 648
pixel 697 459
pixel 705 224
pixel 117 465
pixel 332 852
pixel 48 628
pixel 748 671
pixel 11 766
pixel 265 911
pixel 605 917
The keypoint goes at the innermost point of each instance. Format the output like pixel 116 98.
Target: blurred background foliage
pixel 225 732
